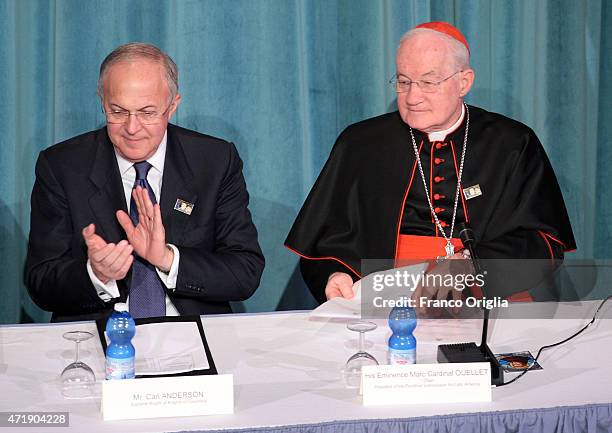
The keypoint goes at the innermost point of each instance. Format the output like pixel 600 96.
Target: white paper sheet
pixel 169 347
pixel 341 307
pixel 351 308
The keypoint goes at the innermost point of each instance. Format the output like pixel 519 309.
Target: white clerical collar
pixel 441 135
pixel 156 160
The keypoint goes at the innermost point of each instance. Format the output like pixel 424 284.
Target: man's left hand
pixel 149 237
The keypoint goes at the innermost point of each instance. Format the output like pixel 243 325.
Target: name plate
pixel 426 383
pixel 168 397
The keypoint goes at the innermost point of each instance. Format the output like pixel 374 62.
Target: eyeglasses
pixel 146 117
pixel 403 84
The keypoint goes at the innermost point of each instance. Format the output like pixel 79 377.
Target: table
pixel 286 373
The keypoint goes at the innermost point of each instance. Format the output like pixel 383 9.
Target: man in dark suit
pixel 106 229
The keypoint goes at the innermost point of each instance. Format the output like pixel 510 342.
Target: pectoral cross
pixel 450 249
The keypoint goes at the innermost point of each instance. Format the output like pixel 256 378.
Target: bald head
pixel 138 52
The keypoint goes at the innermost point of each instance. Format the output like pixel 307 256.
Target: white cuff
pixel 169 279
pixel 107 291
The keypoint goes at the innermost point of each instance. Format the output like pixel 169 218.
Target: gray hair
pixel 460 53
pixel 140 51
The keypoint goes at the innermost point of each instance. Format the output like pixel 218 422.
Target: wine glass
pixel 352 369
pixel 78 378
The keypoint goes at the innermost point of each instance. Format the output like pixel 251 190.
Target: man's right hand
pixel 108 261
pixel 339 284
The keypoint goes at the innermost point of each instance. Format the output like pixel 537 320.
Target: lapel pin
pixel 183 206
pixel 472 191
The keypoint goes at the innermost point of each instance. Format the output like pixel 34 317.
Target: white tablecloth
pixel 286 369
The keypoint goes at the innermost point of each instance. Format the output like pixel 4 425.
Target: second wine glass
pixel 78 378
pixel 352 369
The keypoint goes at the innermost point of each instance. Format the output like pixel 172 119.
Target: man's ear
pixel 467 79
pixel 175 103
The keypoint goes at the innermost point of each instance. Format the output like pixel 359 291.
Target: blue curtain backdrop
pixel 282 78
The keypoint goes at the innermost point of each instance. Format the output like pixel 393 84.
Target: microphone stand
pixel 470 352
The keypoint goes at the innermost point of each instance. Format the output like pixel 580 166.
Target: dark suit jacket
pixel 78 183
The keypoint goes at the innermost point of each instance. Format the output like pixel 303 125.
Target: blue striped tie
pixel 147 296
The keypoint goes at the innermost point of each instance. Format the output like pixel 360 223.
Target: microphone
pixel 466 234
pixel 469 352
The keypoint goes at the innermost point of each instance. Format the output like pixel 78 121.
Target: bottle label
pixel 402 357
pixel 119 368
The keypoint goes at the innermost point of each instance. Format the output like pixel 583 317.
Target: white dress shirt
pixel 108 291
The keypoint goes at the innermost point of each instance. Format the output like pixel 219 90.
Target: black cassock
pixel 370 190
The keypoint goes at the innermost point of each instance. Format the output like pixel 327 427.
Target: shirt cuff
pixel 107 291
pixel 169 279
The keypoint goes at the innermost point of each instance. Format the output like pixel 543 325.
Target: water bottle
pixel 402 344
pixel 120 353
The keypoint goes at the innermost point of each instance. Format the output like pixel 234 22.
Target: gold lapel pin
pixel 183 206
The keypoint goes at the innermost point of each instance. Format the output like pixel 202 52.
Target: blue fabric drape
pixel 596 418
pixel 282 78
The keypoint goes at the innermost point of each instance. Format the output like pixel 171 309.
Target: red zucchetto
pixel 447 29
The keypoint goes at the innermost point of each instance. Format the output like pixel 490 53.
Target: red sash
pixel 411 247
